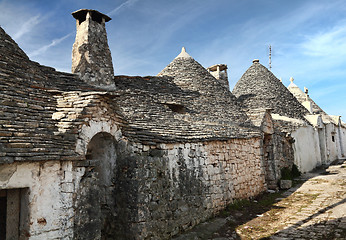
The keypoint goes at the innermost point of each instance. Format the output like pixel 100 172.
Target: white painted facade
pixel 330 131
pixel 307 150
pixel 47 204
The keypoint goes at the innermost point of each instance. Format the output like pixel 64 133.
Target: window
pixel 333 138
pixel 176 108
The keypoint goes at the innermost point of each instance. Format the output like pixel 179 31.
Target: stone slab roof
pixel 42 110
pixel 156 110
pixel 189 75
pixel 27 103
pixel 259 88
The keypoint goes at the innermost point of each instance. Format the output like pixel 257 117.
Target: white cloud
pixel 46 47
pixel 327 44
pixel 121 6
pixel 27 26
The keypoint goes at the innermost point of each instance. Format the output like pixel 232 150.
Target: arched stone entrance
pixel 95 202
pixel 102 151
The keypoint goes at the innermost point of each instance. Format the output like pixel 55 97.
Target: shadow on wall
pixel 103 196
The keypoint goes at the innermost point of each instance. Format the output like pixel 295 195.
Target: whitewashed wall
pixel 306 147
pixel 50 194
pixel 332 147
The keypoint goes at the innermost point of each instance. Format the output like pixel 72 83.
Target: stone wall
pixel 159 191
pixel 278 154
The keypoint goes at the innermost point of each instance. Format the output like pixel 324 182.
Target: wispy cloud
pixel 27 27
pixel 46 47
pixel 327 44
pixel 121 6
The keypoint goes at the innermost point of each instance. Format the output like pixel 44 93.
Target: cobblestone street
pixel 315 209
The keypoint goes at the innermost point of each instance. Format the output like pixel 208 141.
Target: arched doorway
pixel 102 152
pixel 95 202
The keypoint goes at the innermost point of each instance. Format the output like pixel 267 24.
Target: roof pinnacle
pixel 291 79
pixel 183 54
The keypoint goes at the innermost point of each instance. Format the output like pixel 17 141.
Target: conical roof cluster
pixel 259 88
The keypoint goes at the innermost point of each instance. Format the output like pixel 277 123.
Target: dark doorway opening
pixel 14 213
pixel 3 214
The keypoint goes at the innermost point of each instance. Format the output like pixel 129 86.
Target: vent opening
pixel 96 17
pixel 176 108
pixel 81 18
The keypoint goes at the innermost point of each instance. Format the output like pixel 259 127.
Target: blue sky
pixel 308 38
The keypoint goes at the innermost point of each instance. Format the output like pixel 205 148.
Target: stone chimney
pixel 219 71
pixel 91 57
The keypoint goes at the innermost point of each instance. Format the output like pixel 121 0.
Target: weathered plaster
pixel 307 154
pixel 51 188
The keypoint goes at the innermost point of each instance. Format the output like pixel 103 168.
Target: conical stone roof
pixel 302 97
pixel 190 75
pixel 215 100
pixel 259 88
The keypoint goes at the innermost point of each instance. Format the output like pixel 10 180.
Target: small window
pixel 176 108
pixel 333 138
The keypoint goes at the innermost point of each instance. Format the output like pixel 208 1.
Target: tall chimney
pixel 91 57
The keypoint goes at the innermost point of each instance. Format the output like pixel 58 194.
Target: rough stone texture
pixel 278 153
pixel 259 88
pixel 188 74
pixel 157 111
pixel 277 146
pixel 219 71
pixel 315 209
pixel 40 114
pixel 285 184
pixel 27 130
pixel 91 57
pixel 179 149
pixel 160 191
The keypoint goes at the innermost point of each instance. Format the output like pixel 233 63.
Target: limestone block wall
pixel 278 153
pixel 199 180
pixel 306 147
pixel 46 196
pixel 158 191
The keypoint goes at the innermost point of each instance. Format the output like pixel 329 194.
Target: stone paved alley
pixel 314 209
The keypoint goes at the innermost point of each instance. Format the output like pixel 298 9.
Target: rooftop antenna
pixel 270 57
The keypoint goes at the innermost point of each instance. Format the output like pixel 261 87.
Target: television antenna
pixel 270 57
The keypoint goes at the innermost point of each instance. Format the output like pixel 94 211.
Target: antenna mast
pixel 270 57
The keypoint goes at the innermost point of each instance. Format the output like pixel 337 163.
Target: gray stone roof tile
pixel 259 88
